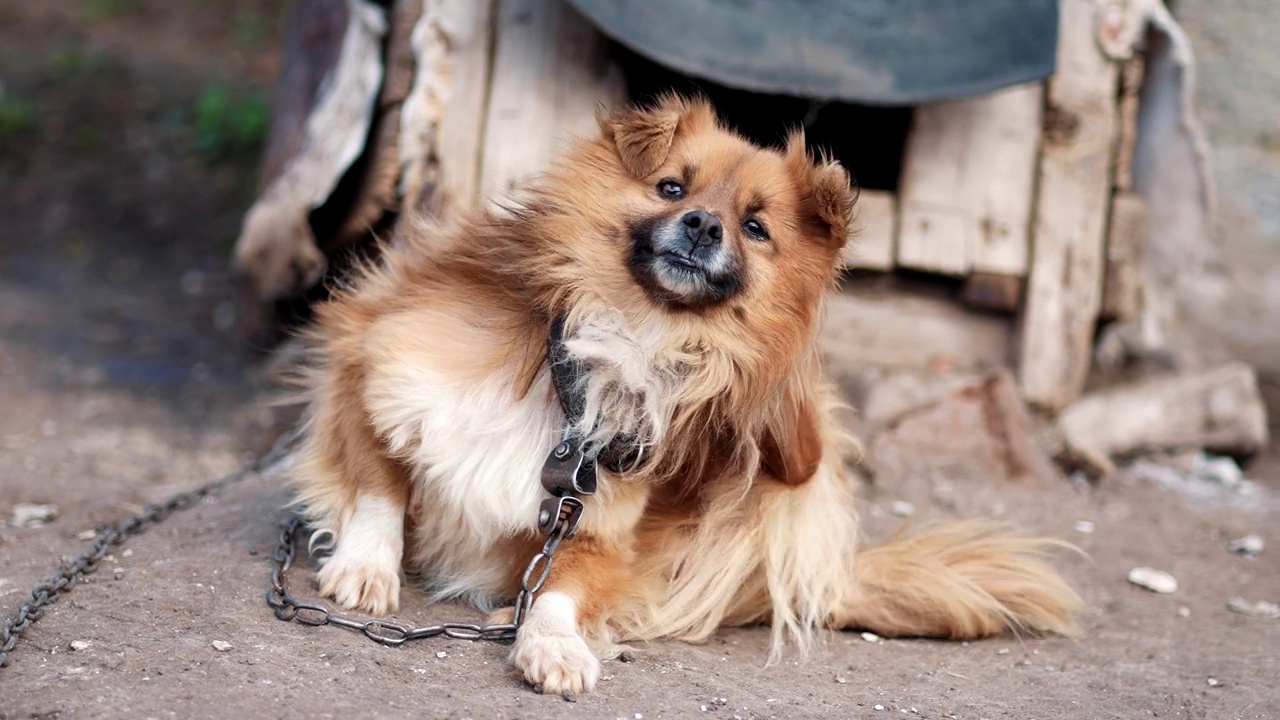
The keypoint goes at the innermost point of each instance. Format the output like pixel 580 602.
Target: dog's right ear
pixel 643 137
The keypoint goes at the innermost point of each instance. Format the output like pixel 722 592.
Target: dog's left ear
pixel 830 189
pixel 792 445
pixel 643 137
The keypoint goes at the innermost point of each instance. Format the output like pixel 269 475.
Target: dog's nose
pixel 702 228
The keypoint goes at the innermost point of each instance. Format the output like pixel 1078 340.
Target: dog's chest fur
pixel 475 450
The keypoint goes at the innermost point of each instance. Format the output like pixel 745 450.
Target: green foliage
pixel 100 10
pixel 17 117
pixel 229 123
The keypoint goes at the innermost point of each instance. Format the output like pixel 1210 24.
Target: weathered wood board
pixel 551 72
pixel 1064 288
pixel 444 112
pixel 967 184
pixel 874 229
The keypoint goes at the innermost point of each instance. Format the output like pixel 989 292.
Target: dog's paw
pixel 558 663
pixel 360 584
pixel 364 571
pixel 549 651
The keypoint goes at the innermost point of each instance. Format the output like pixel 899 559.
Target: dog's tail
pixel 958 580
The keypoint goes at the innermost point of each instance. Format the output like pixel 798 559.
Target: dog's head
pixel 723 247
pixel 716 221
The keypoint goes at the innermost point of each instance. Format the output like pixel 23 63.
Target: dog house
pixel 995 228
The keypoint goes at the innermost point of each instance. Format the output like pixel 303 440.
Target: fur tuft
pixel 959 580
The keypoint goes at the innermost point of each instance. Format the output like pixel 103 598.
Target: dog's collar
pixel 572 467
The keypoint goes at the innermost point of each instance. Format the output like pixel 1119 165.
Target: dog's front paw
pixel 361 584
pixel 558 663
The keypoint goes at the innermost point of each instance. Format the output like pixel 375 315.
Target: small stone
pixel 1002 651
pixel 870 637
pixel 879 707
pixel 902 508
pixel 1262 608
pixel 221 645
pixel 722 701
pixel 1221 470
pixel 841 680
pixel 33 514
pixel 703 708
pixel 1249 545
pixel 639 716
pixel 1084 526
pixel 1184 611
pixel 442 654
pixel 128 552
pixel 1214 682
pixel 1157 581
pixel 87 535
pixel 79 645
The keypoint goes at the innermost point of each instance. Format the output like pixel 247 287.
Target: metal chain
pixel 69 574
pixel 568 511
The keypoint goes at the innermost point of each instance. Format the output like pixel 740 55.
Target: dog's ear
pixel 643 137
pixel 792 446
pixel 830 190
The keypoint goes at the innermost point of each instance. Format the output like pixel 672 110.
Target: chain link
pixel 107 539
pixel 289 608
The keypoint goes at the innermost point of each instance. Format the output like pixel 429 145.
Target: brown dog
pixel 687 268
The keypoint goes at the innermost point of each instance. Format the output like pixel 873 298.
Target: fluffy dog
pixel 687 268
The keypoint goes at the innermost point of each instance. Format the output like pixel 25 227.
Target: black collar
pixel 571 468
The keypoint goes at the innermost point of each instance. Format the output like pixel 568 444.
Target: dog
pixel 683 270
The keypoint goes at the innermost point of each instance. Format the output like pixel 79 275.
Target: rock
pixel 1154 580
pixel 1220 410
pixel 902 508
pixel 33 514
pixel 982 430
pixel 79 645
pixel 87 535
pixel 221 645
pixel 442 654
pixel 1249 545
pixel 1084 526
pixel 1261 608
pixel 870 637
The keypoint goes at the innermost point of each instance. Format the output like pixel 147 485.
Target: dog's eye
pixel 671 189
pixel 755 229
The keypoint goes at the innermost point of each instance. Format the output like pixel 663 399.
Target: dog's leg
pixel 586 581
pixel 364 571
pixel 356 495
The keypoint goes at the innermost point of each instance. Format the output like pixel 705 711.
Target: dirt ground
pixel 121 382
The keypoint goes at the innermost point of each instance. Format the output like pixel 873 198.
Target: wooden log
pixel 1122 288
pixel 1220 410
pixel 327 102
pixel 1064 288
pixel 551 71
pixel 967 187
pixel 444 113
pixel 375 194
pixel 871 242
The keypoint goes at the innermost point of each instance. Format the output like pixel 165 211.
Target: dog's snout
pixel 702 228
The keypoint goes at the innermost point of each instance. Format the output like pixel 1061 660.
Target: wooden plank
pixel 871 242
pixel 1122 288
pixel 967 183
pixel 1064 288
pixel 551 72
pixel 897 329
pixel 443 115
